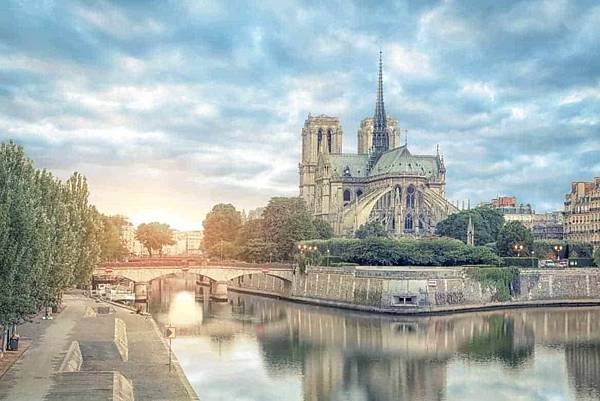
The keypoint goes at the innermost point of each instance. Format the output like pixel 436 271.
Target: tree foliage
pixel 221 224
pixel 112 246
pixel 154 236
pixel 486 221
pixel 513 233
pixel 49 235
pixel 375 251
pixel 597 256
pixel 371 229
pixel 287 221
pixel 323 228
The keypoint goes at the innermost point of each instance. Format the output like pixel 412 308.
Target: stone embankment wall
pixel 560 284
pixel 410 290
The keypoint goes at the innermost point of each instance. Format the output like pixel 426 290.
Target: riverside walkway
pixel 88 354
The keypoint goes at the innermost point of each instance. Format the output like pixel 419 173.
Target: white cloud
pixel 409 62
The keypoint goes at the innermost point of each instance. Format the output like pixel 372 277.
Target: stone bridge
pixel 219 275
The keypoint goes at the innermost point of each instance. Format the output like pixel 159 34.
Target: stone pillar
pixel 141 296
pixel 218 291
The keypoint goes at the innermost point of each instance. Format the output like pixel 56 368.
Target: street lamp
pixel 518 248
pixel 558 248
pixel 328 257
pixel 532 259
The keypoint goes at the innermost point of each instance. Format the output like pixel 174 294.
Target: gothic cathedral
pixel 383 182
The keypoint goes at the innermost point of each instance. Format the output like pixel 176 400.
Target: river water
pixel 257 348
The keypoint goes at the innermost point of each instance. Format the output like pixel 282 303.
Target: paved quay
pixel 88 354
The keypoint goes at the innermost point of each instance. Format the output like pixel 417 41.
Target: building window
pixel 346 195
pixel 404 300
pixel 329 139
pixel 359 193
pixel 410 197
pixel 408 222
pixel 319 139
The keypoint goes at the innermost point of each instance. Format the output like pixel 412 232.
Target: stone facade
pixel 382 182
pixel 582 212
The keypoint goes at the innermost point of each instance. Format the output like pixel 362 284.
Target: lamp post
pixel 328 257
pixel 532 259
pixel 557 249
pixel 518 248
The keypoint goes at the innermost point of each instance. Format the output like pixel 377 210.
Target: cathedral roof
pixel 400 160
pixel 344 164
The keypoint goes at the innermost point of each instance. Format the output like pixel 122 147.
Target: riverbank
pixel 93 345
pixel 431 312
pixel 427 290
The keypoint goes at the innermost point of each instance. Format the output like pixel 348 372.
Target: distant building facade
pixel 543 226
pixel 548 226
pixel 383 182
pixel 512 210
pixel 582 212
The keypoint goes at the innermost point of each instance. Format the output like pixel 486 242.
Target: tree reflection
pixel 498 343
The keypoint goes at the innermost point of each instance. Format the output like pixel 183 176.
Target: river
pixel 257 348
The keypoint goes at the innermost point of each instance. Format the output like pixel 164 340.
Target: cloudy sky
pixel 171 106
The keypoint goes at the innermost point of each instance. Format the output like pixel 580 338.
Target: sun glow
pixel 184 311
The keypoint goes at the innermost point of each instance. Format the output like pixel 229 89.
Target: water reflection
pixel 255 348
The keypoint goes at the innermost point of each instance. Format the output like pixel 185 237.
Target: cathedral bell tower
pixel 320 135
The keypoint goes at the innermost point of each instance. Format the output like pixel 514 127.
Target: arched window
pixel 408 222
pixel 319 139
pixel 329 139
pixel 359 193
pixel 346 195
pixel 410 197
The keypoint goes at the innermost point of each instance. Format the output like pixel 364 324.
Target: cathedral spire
pixel 380 135
pixel 380 142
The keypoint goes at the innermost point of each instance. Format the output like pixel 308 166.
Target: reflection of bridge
pixel 219 275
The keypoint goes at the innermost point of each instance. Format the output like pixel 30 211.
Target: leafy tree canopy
pixel 154 236
pixel 221 224
pixel 112 246
pixel 287 221
pixel 486 221
pixel 324 229
pixel 49 235
pixel 512 233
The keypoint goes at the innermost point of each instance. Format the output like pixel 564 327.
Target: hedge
pixel 406 252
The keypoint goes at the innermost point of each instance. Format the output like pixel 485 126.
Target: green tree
pixel 324 229
pixel 48 236
pixel 112 246
pixel 252 243
pixel 486 221
pixel 597 256
pixel 371 229
pixel 222 223
pixel 154 236
pixel 512 233
pixel 287 221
